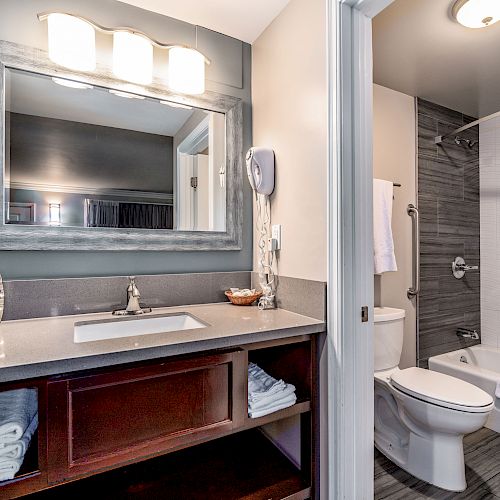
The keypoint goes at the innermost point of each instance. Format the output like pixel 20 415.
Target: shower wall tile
pixel 489 161
pixel 448 200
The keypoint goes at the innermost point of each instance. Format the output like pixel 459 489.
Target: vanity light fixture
pixel 71 84
pixel 132 57
pixel 71 42
pixel 476 13
pixel 54 214
pixel 126 95
pixel 186 70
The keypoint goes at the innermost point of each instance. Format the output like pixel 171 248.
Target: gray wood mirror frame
pixel 21 237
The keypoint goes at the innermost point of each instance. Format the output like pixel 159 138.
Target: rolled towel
pixel 17 449
pixel 290 401
pixel 17 410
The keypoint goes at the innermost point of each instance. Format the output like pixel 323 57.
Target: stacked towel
pixel 18 423
pixel 384 258
pixel 266 394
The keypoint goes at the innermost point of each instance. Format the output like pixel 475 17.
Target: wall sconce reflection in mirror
pixel 54 214
pixel 72 45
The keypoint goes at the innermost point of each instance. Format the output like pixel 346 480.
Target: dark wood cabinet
pixel 103 420
pixel 99 420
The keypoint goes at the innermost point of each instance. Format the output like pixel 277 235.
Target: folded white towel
pixel 263 386
pixel 9 469
pixel 289 401
pixel 17 410
pixel 273 398
pixel 266 394
pixel 264 405
pixel 383 244
pixel 17 449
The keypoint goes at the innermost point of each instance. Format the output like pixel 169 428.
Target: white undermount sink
pixel 90 331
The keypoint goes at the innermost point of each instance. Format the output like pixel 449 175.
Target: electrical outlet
pixel 276 235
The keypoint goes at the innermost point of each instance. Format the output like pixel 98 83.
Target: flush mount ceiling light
pixel 71 84
pixel 476 13
pixel 71 42
pixel 132 57
pixel 186 70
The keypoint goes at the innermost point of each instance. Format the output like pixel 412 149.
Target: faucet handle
pixel 131 278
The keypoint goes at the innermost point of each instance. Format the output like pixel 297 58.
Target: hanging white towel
pixel 17 410
pixel 383 243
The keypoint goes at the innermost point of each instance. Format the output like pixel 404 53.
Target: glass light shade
pixel 55 214
pixel 71 84
pixel 132 58
pixel 71 42
pixel 477 13
pixel 186 70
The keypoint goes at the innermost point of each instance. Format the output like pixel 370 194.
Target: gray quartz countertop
pixel 44 346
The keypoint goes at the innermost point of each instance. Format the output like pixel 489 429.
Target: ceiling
pixel 38 95
pixel 241 19
pixel 421 51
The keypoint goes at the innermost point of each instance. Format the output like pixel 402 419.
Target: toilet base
pixel 438 461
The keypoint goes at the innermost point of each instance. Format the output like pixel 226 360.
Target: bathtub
pixel 479 365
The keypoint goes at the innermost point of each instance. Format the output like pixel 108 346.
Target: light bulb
pixel 186 70
pixel 132 58
pixel 71 42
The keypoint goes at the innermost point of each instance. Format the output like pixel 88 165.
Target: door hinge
pixel 364 314
pixel 194 182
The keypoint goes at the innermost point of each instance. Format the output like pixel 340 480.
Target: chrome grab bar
pixel 412 211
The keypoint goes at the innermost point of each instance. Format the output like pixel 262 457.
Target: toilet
pixel 421 416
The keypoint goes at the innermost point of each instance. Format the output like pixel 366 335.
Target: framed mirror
pixel 92 163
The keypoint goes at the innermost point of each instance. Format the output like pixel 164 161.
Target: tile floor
pixel 482 461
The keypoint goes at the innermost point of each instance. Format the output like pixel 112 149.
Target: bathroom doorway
pixel 435 131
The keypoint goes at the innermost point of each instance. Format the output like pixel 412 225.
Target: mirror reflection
pixel 85 156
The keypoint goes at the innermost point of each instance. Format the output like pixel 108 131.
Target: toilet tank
pixel 388 341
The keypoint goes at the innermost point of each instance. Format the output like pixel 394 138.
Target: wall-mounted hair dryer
pixel 260 169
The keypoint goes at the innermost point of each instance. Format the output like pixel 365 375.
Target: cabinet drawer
pixel 104 420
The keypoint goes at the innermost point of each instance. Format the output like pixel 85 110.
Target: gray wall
pixel 448 200
pixel 67 153
pixel 229 73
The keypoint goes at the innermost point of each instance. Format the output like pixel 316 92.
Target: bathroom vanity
pixel 180 396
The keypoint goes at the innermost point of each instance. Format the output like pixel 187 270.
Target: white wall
pixel 394 159
pixel 289 95
pixel 489 172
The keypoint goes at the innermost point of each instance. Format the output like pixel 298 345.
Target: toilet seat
pixel 441 390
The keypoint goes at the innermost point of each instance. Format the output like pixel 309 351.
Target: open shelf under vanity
pixel 175 425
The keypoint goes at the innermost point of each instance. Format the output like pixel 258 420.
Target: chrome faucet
pixel 133 306
pixel 2 298
pixel 467 333
pixel 459 268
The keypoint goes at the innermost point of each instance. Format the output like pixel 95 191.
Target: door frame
pixel 350 248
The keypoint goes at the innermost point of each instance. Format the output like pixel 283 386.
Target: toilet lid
pixel 441 389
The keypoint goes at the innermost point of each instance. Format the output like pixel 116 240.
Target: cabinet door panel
pixel 104 420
